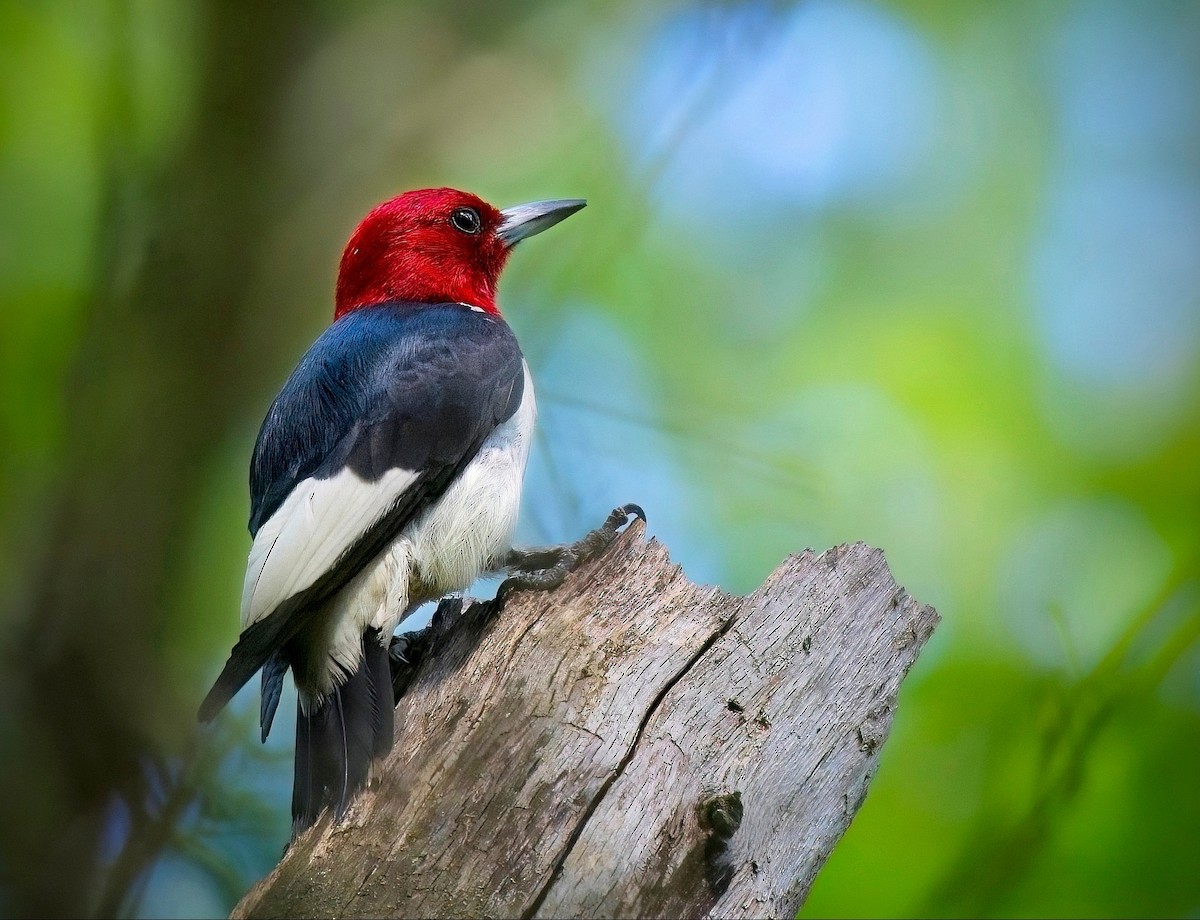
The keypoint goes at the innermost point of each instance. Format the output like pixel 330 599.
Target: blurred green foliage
pixel 924 275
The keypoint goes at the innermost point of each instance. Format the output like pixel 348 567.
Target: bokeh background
pixel 924 275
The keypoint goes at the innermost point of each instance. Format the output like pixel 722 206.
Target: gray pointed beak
pixel 527 219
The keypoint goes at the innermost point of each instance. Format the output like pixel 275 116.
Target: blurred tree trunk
pixel 90 703
pixel 630 744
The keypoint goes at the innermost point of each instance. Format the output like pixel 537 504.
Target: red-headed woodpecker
pixel 388 473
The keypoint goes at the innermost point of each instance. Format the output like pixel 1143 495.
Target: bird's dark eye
pixel 466 219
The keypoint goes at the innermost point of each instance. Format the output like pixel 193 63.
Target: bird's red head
pixel 437 245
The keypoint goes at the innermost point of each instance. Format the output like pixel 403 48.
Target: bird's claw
pixel 546 569
pixel 630 509
pixel 448 608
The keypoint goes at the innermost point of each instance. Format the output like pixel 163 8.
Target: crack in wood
pixel 594 804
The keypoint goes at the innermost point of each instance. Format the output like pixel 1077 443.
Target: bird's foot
pixel 408 650
pixel 546 568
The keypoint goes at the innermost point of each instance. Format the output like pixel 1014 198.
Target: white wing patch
pixel 318 521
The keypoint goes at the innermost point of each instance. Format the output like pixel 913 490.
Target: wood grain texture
pixel 630 744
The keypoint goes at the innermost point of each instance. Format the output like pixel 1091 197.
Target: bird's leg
pixel 545 568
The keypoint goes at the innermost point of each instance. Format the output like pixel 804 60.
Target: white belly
pixel 466 533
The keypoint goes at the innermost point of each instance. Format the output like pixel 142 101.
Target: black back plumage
pixel 415 387
pixel 393 386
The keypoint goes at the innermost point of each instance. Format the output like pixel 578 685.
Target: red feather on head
pixel 413 248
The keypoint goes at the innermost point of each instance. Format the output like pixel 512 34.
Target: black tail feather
pixel 337 741
pixel 379 670
pixel 254 648
pixel 273 673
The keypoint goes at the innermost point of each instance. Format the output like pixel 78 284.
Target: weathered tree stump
pixel 630 744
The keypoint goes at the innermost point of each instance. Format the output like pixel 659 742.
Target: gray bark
pixel 630 744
